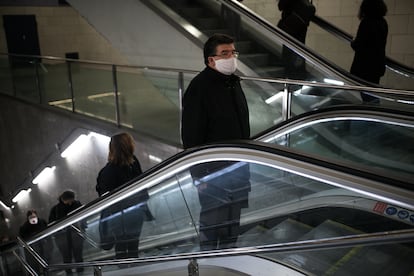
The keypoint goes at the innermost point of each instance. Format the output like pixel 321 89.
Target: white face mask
pixel 226 66
pixel 33 220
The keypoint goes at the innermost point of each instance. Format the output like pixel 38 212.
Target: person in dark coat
pixel 296 15
pixel 215 109
pixel 70 244
pixel 31 227
pixel 121 223
pixel 122 164
pixel 369 44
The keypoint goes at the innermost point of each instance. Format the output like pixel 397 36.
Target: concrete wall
pixel 62 30
pixel 29 135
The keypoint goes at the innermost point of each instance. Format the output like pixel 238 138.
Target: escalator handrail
pixel 367 239
pixel 393 114
pixel 381 186
pixel 391 63
pixel 298 46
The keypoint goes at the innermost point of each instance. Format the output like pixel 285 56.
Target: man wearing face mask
pixel 215 109
pixel 214 105
pixel 31 227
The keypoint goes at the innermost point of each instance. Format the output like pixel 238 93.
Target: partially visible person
pixel 296 15
pixel 369 44
pixel 70 244
pixel 5 234
pixel 31 227
pixel 215 109
pixel 123 229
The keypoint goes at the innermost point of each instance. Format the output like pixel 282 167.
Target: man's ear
pixel 211 61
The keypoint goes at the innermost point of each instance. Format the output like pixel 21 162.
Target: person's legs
pixel 65 248
pixel 77 250
pixel 132 248
pixel 121 249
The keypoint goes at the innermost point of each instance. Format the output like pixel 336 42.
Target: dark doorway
pixel 21 35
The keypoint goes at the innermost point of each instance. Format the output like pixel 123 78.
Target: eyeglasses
pixel 227 54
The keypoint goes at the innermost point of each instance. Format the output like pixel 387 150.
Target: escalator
pixel 260 43
pixel 304 216
pixel 375 138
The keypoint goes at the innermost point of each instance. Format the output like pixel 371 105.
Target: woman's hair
pixel 31 212
pixel 372 8
pixel 121 149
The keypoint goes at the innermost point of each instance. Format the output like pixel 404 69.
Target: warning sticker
pixel 393 211
pixel 380 207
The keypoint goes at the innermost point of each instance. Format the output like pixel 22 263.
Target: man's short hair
pixel 67 195
pixel 211 44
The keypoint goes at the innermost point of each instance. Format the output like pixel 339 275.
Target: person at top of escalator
pixel 296 15
pixel 214 110
pixel 369 44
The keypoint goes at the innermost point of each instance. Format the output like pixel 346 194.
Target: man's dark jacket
pixel 61 210
pixel 214 109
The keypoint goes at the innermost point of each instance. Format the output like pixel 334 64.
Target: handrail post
pixel 180 99
pixel 39 89
pixel 286 103
pixel 193 268
pixel 115 82
pixel 97 271
pixel 70 83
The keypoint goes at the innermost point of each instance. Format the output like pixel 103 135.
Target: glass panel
pixel 386 145
pixel 24 74
pixel 54 78
pixel 265 104
pixel 6 79
pixel 10 265
pixel 149 102
pixel 148 223
pixel 245 204
pixel 93 90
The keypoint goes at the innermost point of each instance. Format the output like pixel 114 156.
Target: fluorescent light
pixel 43 175
pixel 336 82
pixel 154 158
pixel 4 205
pixel 74 147
pixel 21 194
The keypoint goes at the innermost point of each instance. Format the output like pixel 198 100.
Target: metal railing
pixel 116 92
